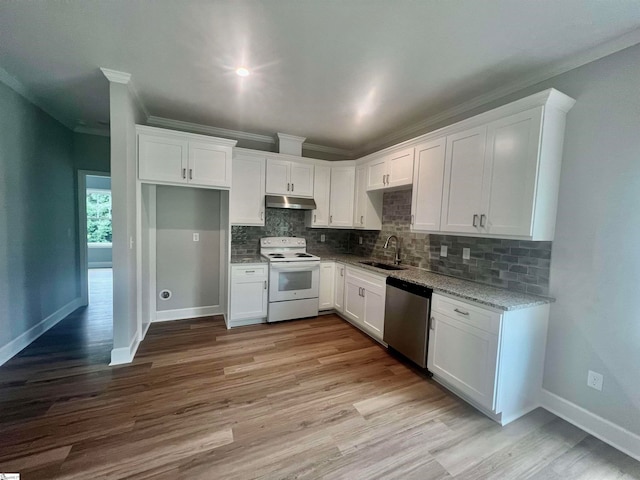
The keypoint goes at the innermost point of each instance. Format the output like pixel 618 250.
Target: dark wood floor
pixel 304 399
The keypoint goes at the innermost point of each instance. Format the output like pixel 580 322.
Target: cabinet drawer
pixel 472 315
pixel 250 271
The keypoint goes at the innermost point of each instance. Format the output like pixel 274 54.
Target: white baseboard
pixel 120 356
pixel 183 313
pixel 616 436
pixel 100 265
pixel 16 345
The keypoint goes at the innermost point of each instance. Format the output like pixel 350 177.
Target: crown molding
pixel 21 89
pixel 208 130
pixel 116 76
pixel 292 138
pixel 557 68
pixel 312 147
pixel 102 132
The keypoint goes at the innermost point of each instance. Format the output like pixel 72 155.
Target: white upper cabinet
pixel 391 171
pixel 289 178
pixel 510 174
pixel 367 211
pixel 246 202
pixel 342 197
pixel 428 175
pixel 321 191
pixel 166 156
pixel 462 192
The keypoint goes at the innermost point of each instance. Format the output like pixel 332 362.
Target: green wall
pixel 91 152
pixel 38 226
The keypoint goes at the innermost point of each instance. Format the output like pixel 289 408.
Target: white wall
pixel 124 115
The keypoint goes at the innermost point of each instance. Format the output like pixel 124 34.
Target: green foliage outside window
pixel 99 217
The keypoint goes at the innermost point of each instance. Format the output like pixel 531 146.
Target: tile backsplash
pixel 517 265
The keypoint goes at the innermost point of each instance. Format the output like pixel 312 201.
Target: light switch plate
pixel 466 253
pixel 360 240
pixel 322 237
pixel 443 250
pixel 196 237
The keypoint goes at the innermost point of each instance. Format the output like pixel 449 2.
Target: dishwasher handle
pixel 410 287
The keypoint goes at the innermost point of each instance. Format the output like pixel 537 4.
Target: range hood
pixel 296 203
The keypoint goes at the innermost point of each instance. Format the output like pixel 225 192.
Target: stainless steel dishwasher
pixel 406 319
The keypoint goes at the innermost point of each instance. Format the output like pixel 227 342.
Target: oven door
pixel 293 280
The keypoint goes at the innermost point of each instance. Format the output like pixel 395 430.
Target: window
pixel 99 217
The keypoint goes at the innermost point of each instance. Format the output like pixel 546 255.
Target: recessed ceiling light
pixel 242 72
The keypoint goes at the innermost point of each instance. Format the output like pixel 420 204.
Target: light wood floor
pixel 305 399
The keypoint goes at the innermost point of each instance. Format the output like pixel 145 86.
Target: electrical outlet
pixel 322 237
pixel 466 253
pixel 360 240
pixel 443 250
pixel 196 237
pixel 594 380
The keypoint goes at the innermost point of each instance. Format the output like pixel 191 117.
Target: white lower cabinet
pixel 364 296
pixel 327 277
pixel 338 297
pixel 492 359
pixel 249 294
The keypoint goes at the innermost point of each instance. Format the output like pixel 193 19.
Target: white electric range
pixel 294 278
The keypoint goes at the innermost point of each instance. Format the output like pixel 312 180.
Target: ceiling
pixel 343 73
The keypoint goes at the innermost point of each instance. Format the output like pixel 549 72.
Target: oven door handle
pixel 301 268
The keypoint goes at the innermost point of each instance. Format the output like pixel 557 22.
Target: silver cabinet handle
pixel 330 218
pixel 388 175
pixel 361 219
pixel 288 187
pixel 314 218
pixel 383 182
pixel 184 173
pixel 475 219
pixel 262 216
pixel 292 187
pixel 191 174
pixel 363 292
pixel 342 272
pixel 412 219
pixel 432 323
pixel 249 271
pixel 482 217
pixel 461 312
pixel 265 284
pixel 359 291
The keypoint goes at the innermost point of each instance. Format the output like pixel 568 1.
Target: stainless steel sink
pixel 383 266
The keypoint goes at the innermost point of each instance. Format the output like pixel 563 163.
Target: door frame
pixel 82 231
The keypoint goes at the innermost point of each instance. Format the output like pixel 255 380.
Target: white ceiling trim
pixel 21 89
pixel 124 78
pixel 625 41
pixel 236 134
pixel 103 132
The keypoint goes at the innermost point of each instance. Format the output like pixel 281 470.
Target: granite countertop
pixel 247 259
pixel 498 298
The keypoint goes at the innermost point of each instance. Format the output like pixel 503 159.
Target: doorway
pixel 94 235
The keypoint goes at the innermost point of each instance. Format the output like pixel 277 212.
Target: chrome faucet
pixel 396 261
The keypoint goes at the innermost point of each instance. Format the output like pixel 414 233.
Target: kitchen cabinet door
pixel 301 180
pixel 327 278
pixel 377 174
pixel 246 202
pixel 249 293
pixel 465 357
pixel 367 210
pixel 400 168
pixel 462 192
pixel 353 300
pixel 278 182
pixel 510 173
pixel 342 193
pixel 426 197
pixel 162 158
pixel 209 165
pixel 338 299
pixel 374 298
pixel 321 191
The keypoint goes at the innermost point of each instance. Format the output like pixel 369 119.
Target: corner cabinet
pixel 249 294
pixel 171 157
pixel 327 278
pixel 364 297
pixel 246 199
pixel 492 359
pixel 289 177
